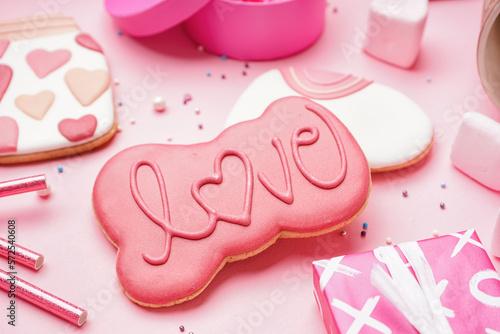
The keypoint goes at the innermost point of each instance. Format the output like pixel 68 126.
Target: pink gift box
pixel 466 282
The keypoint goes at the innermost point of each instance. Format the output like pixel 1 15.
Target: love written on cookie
pixel 179 213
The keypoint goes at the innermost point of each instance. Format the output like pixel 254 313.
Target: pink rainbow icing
pixel 170 247
pixel 322 85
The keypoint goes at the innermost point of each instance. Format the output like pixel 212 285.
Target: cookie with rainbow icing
pixel 393 131
pixel 55 92
pixel 178 213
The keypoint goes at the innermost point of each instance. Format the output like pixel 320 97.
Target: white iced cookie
pixel 393 131
pixel 55 94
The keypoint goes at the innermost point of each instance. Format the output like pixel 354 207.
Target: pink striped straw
pixel 23 185
pixel 22 255
pixel 42 299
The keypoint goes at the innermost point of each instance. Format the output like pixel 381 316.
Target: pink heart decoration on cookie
pixel 44 62
pixel 217 178
pixel 9 134
pixel 78 129
pixel 88 42
pixel 4 44
pixel 35 106
pixel 5 77
pixel 87 86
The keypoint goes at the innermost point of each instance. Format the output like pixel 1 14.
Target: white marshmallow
pixel 476 149
pixel 395 29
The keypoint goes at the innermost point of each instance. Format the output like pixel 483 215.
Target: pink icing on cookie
pixel 322 85
pixel 87 86
pixel 5 77
pixel 9 134
pixel 35 106
pixel 44 62
pixel 78 129
pixel 286 196
pixel 170 249
pixel 88 42
pixel 4 44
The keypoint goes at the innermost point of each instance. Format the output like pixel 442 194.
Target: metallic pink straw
pixel 19 186
pixel 22 255
pixel 43 299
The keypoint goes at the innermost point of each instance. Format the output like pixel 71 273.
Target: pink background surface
pixel 272 292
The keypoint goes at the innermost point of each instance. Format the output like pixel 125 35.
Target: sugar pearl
pixel 435 233
pixel 159 103
pixel 44 192
pixel 388 240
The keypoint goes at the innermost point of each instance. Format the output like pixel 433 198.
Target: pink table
pixel 272 292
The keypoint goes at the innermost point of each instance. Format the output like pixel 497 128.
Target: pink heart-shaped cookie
pixel 88 42
pixel 3 46
pixel 5 77
pixel 9 133
pixel 75 130
pixel 87 86
pixel 44 62
pixel 35 106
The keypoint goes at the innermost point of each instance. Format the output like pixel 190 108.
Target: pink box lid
pixel 240 29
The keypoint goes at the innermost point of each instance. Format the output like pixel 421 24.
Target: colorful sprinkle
pixel 200 126
pixel 223 57
pixel 201 48
pixel 187 98
pixel 119 33
pixel 209 74
pixel 181 328
pixel 428 79
pixel 405 193
pixel 120 103
pixel 388 240
pixel 244 72
pixel 363 233
pixel 159 103
pixel 246 65
pixel 335 9
pixel 441 205
pixel 435 233
pixel 365 225
pixel 223 76
pixel 60 169
pixel 443 185
pixel 343 232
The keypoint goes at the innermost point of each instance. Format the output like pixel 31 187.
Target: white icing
pixel 43 135
pixel 390 128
